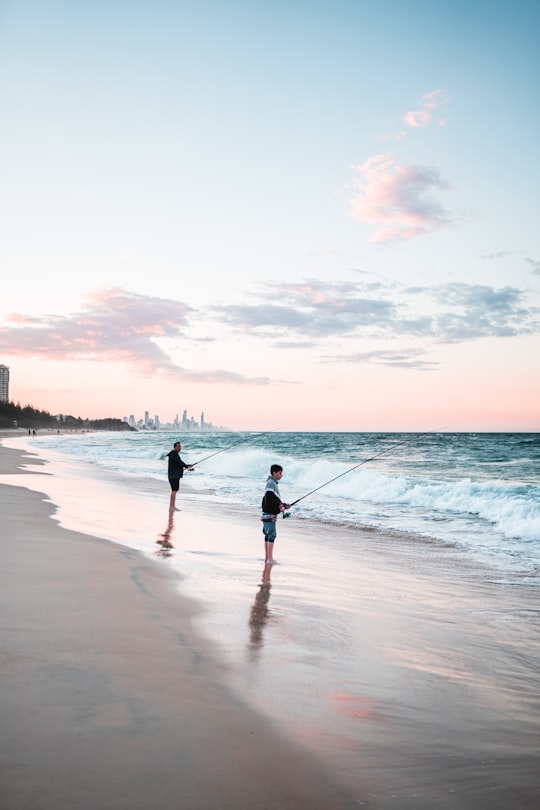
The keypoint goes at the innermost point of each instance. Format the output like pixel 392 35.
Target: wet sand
pixel 109 700
pixel 118 691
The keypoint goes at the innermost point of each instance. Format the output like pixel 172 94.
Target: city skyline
pixel 186 423
pixel 296 216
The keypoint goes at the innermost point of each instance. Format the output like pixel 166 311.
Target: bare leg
pixel 172 502
pixel 269 552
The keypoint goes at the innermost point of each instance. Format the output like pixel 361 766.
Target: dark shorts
pixel 269 531
pixel 175 484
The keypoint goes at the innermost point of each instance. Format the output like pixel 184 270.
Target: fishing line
pixel 366 460
pixel 236 444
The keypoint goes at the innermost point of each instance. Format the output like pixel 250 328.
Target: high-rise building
pixel 4 384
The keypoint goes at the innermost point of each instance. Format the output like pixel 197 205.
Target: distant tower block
pixel 202 420
pixel 4 384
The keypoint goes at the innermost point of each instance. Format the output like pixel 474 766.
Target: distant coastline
pixel 29 418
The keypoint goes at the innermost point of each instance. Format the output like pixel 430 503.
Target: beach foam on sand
pixel 118 691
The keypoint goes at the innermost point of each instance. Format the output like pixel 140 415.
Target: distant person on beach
pixel 272 506
pixel 176 472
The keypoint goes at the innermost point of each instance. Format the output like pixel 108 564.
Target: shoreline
pixel 485 517
pixel 388 684
pixel 110 699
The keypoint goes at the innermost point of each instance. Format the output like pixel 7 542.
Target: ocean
pixel 479 492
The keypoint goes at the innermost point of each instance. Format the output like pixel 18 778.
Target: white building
pixel 4 384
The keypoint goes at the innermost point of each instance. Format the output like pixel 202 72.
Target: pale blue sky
pixel 205 153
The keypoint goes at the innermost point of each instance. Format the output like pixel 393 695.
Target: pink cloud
pixel 115 326
pixel 418 118
pixel 398 198
pixel 425 116
pixel 421 118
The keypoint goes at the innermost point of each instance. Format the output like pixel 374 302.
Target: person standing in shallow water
pixel 271 508
pixel 175 472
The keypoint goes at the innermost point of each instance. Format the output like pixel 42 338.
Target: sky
pixel 289 215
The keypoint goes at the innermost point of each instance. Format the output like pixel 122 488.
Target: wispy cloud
pixel 316 311
pixel 535 265
pixel 115 326
pixel 118 326
pixel 499 254
pixel 397 198
pixel 425 115
pixel 405 358
pixel 311 309
pixel 473 311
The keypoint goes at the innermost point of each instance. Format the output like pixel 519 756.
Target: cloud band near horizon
pixel 119 326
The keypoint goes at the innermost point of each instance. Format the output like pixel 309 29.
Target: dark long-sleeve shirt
pixel 176 465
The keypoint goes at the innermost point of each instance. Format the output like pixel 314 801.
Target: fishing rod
pixel 236 444
pixel 366 460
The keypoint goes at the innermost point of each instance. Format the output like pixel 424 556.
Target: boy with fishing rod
pixel 272 506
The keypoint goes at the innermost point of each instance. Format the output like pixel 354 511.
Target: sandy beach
pixel 126 684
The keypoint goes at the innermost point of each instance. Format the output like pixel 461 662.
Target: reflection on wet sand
pixel 259 614
pixel 164 539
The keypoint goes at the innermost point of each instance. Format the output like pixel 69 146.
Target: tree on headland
pixel 31 418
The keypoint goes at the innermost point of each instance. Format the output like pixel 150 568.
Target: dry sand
pixel 111 699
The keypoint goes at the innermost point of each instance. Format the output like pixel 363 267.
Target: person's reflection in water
pixel 260 613
pixel 164 540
